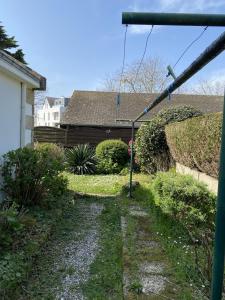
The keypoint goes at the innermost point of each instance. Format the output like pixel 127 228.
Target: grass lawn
pixel 102 184
pixel 105 272
pixel 161 226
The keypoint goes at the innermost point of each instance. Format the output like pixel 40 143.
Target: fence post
pixel 131 160
pixel 219 248
pixel 66 135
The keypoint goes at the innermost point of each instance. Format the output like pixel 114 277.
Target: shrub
pixel 152 152
pixel 81 160
pixel 188 202
pixel 177 191
pixel 10 223
pixel 30 175
pixel 55 152
pixel 112 156
pixel 195 143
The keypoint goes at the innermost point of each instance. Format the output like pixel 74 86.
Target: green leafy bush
pixel 12 272
pixel 177 192
pixel 55 152
pixel 10 224
pixel 112 156
pixel 189 203
pixel 81 160
pixel 30 175
pixel 195 143
pixel 152 152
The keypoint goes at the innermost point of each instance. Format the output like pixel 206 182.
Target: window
pixel 55 115
pixel 48 116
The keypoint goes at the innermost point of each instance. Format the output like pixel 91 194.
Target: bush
pixel 112 156
pixel 55 152
pixel 30 175
pixel 195 143
pixel 10 224
pixel 81 160
pixel 189 203
pixel 152 152
pixel 181 192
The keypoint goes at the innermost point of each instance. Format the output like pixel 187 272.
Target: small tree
pixel 7 43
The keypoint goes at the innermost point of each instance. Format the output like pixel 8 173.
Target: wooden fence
pixel 45 134
pixel 74 135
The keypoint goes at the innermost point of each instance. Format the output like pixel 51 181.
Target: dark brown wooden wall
pixel 80 135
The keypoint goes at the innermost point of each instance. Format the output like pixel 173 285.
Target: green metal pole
pixel 182 19
pixel 131 160
pixel 219 248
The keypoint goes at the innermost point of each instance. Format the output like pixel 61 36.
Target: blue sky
pixel 76 43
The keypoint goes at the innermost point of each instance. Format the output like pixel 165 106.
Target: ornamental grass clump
pixel 81 159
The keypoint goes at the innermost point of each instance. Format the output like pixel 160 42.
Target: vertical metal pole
pixel 131 160
pixel 219 248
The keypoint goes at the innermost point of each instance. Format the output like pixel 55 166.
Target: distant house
pixel 17 85
pixel 51 112
pixel 91 116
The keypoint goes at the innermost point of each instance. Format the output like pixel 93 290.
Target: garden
pixel 69 231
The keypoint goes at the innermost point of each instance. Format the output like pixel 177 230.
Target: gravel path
pixel 69 256
pixel 79 254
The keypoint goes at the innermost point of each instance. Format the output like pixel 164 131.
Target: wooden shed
pixel 91 115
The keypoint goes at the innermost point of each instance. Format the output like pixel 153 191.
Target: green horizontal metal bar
pixel 209 54
pixel 182 19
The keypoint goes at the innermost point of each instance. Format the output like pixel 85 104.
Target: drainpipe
pixel 22 113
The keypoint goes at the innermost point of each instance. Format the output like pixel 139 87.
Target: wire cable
pixel 189 46
pixel 124 57
pixel 143 56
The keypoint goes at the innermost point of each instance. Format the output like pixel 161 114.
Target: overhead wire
pixel 124 57
pixel 189 46
pixel 122 72
pixel 143 55
pixel 185 51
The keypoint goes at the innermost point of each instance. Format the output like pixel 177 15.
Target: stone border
pixel 211 182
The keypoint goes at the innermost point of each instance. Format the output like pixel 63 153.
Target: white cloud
pixel 200 6
pixel 142 29
pixel 177 6
pixel 187 5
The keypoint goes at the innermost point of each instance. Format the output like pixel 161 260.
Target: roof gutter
pixel 39 79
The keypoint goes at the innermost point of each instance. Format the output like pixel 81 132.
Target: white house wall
pixel 10 106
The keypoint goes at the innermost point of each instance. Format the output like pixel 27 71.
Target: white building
pixel 51 112
pixel 17 85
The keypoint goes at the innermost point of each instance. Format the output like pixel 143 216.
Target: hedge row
pixel 195 143
pixel 152 152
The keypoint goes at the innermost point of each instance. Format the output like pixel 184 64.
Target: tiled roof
pixel 99 108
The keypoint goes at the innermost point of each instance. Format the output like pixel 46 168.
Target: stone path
pixel 146 278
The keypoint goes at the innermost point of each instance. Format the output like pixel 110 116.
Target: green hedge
pixel 195 143
pixel 152 152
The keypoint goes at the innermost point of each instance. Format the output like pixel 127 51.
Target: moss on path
pixel 77 256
